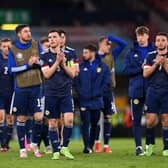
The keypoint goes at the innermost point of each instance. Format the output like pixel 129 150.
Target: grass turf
pixel 123 156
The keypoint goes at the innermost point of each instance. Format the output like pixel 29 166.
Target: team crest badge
pixel 99 70
pixel 14 109
pixel 47 112
pixel 83 108
pixel 135 55
pixel 136 101
pixel 19 56
pixel 50 60
pixel 85 69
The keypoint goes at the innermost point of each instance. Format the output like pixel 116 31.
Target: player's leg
pixel 53 135
pixel 85 127
pixel 107 133
pixel 2 127
pixel 36 133
pixel 60 129
pixel 45 136
pixel 150 133
pixel 164 121
pixel 52 112
pixel 9 120
pixel 44 131
pixel 19 108
pixel 29 125
pixel 97 140
pixel 9 129
pixel 107 111
pixel 150 124
pixel 152 108
pixel 20 124
pixel 94 119
pixel 35 106
pixel 137 105
pixel 2 123
pixel 67 107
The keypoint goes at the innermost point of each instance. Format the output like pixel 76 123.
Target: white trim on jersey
pixel 146 66
pixel 43 105
pixel 69 48
pixel 18 69
pixel 45 67
pixel 12 102
pixel 132 109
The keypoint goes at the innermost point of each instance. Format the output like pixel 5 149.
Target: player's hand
pixel 163 60
pixel 63 58
pixel 160 59
pixel 59 58
pixel 33 60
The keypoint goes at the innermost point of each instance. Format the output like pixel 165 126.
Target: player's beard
pixel 85 58
pixel 162 48
pixel 26 39
pixel 142 44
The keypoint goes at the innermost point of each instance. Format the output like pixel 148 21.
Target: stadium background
pixel 85 21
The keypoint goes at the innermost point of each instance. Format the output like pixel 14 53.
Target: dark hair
pixel 60 31
pixel 91 47
pixel 43 40
pixel 20 27
pixel 5 40
pixel 162 34
pixel 102 39
pixel 53 31
pixel 142 30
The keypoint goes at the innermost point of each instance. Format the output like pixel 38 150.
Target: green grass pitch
pixel 123 156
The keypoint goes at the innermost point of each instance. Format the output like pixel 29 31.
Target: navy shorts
pixel 54 106
pixel 5 103
pixel 156 101
pixel 108 103
pixel 27 101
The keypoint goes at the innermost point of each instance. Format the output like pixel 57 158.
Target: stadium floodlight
pixel 8 26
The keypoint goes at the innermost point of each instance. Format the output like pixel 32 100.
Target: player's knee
pixel 21 118
pixel 38 116
pixel 53 123
pixel 150 121
pixel 69 122
pixel 68 119
pixel 165 122
pixel 10 120
pixel 2 117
